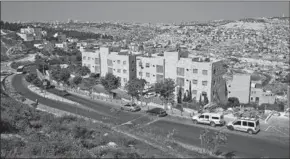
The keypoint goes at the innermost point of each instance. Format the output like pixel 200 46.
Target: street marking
pixel 268 127
pixel 129 122
pixel 280 131
pixel 151 122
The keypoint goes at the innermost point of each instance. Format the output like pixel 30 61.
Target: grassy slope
pixel 39 134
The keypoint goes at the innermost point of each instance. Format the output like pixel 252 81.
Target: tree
pixel 37 82
pixel 60 75
pixel 110 82
pixel 184 97
pixel 200 102
pixel 233 101
pixel 42 66
pixel 179 96
pixel 30 77
pixel 189 97
pixel 64 75
pixel 212 142
pixel 135 88
pixel 82 71
pixel 165 89
pixel 77 80
pixel 205 100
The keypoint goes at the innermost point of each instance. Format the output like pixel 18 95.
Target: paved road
pixel 240 145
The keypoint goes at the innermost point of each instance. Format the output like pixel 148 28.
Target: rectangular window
pixel 84 58
pixel 118 61
pixel 159 78
pixel 124 62
pixel 180 71
pixel 238 123
pixel 159 68
pixel 140 74
pixel 97 61
pixel 147 74
pixel 110 62
pixel 251 124
pixel 125 80
pixel 195 71
pixel 89 58
pixel 97 69
pixel 245 123
pixel 194 91
pixel 147 65
pixel 89 66
pixel 124 71
pixel 119 70
pixel 180 81
pixel 110 70
pixel 204 72
pixel 204 83
pixel 194 81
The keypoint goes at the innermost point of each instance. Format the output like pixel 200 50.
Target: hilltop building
pixel 30 34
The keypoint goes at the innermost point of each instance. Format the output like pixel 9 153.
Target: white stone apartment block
pixel 91 59
pixel 150 68
pixel 205 76
pixel 120 64
pixel 102 61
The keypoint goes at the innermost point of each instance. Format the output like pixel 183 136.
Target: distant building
pixel 260 96
pixel 30 34
pixel 60 37
pixel 239 87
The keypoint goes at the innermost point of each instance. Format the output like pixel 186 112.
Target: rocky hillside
pixel 11 45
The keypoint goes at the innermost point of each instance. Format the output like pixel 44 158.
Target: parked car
pixel 211 119
pixel 157 111
pixel 249 125
pixel 63 93
pixel 130 107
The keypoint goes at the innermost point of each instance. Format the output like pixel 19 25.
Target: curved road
pixel 239 145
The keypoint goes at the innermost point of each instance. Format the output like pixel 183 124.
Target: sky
pixel 152 12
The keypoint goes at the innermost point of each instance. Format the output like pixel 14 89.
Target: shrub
pixel 67 119
pixel 30 77
pixel 82 132
pixel 37 82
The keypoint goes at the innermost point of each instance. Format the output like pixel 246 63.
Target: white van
pixel 249 125
pixel 211 119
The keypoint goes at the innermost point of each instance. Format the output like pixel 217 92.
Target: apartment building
pixel 260 96
pixel 239 87
pixel 102 61
pixel 91 58
pixel 150 68
pixel 248 91
pixel 204 74
pixel 121 64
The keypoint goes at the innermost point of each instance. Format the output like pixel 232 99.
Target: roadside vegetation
pixel 28 133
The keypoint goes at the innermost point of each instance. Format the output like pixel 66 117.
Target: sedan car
pixel 130 107
pixel 157 111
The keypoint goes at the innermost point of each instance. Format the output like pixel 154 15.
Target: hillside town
pixel 231 73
